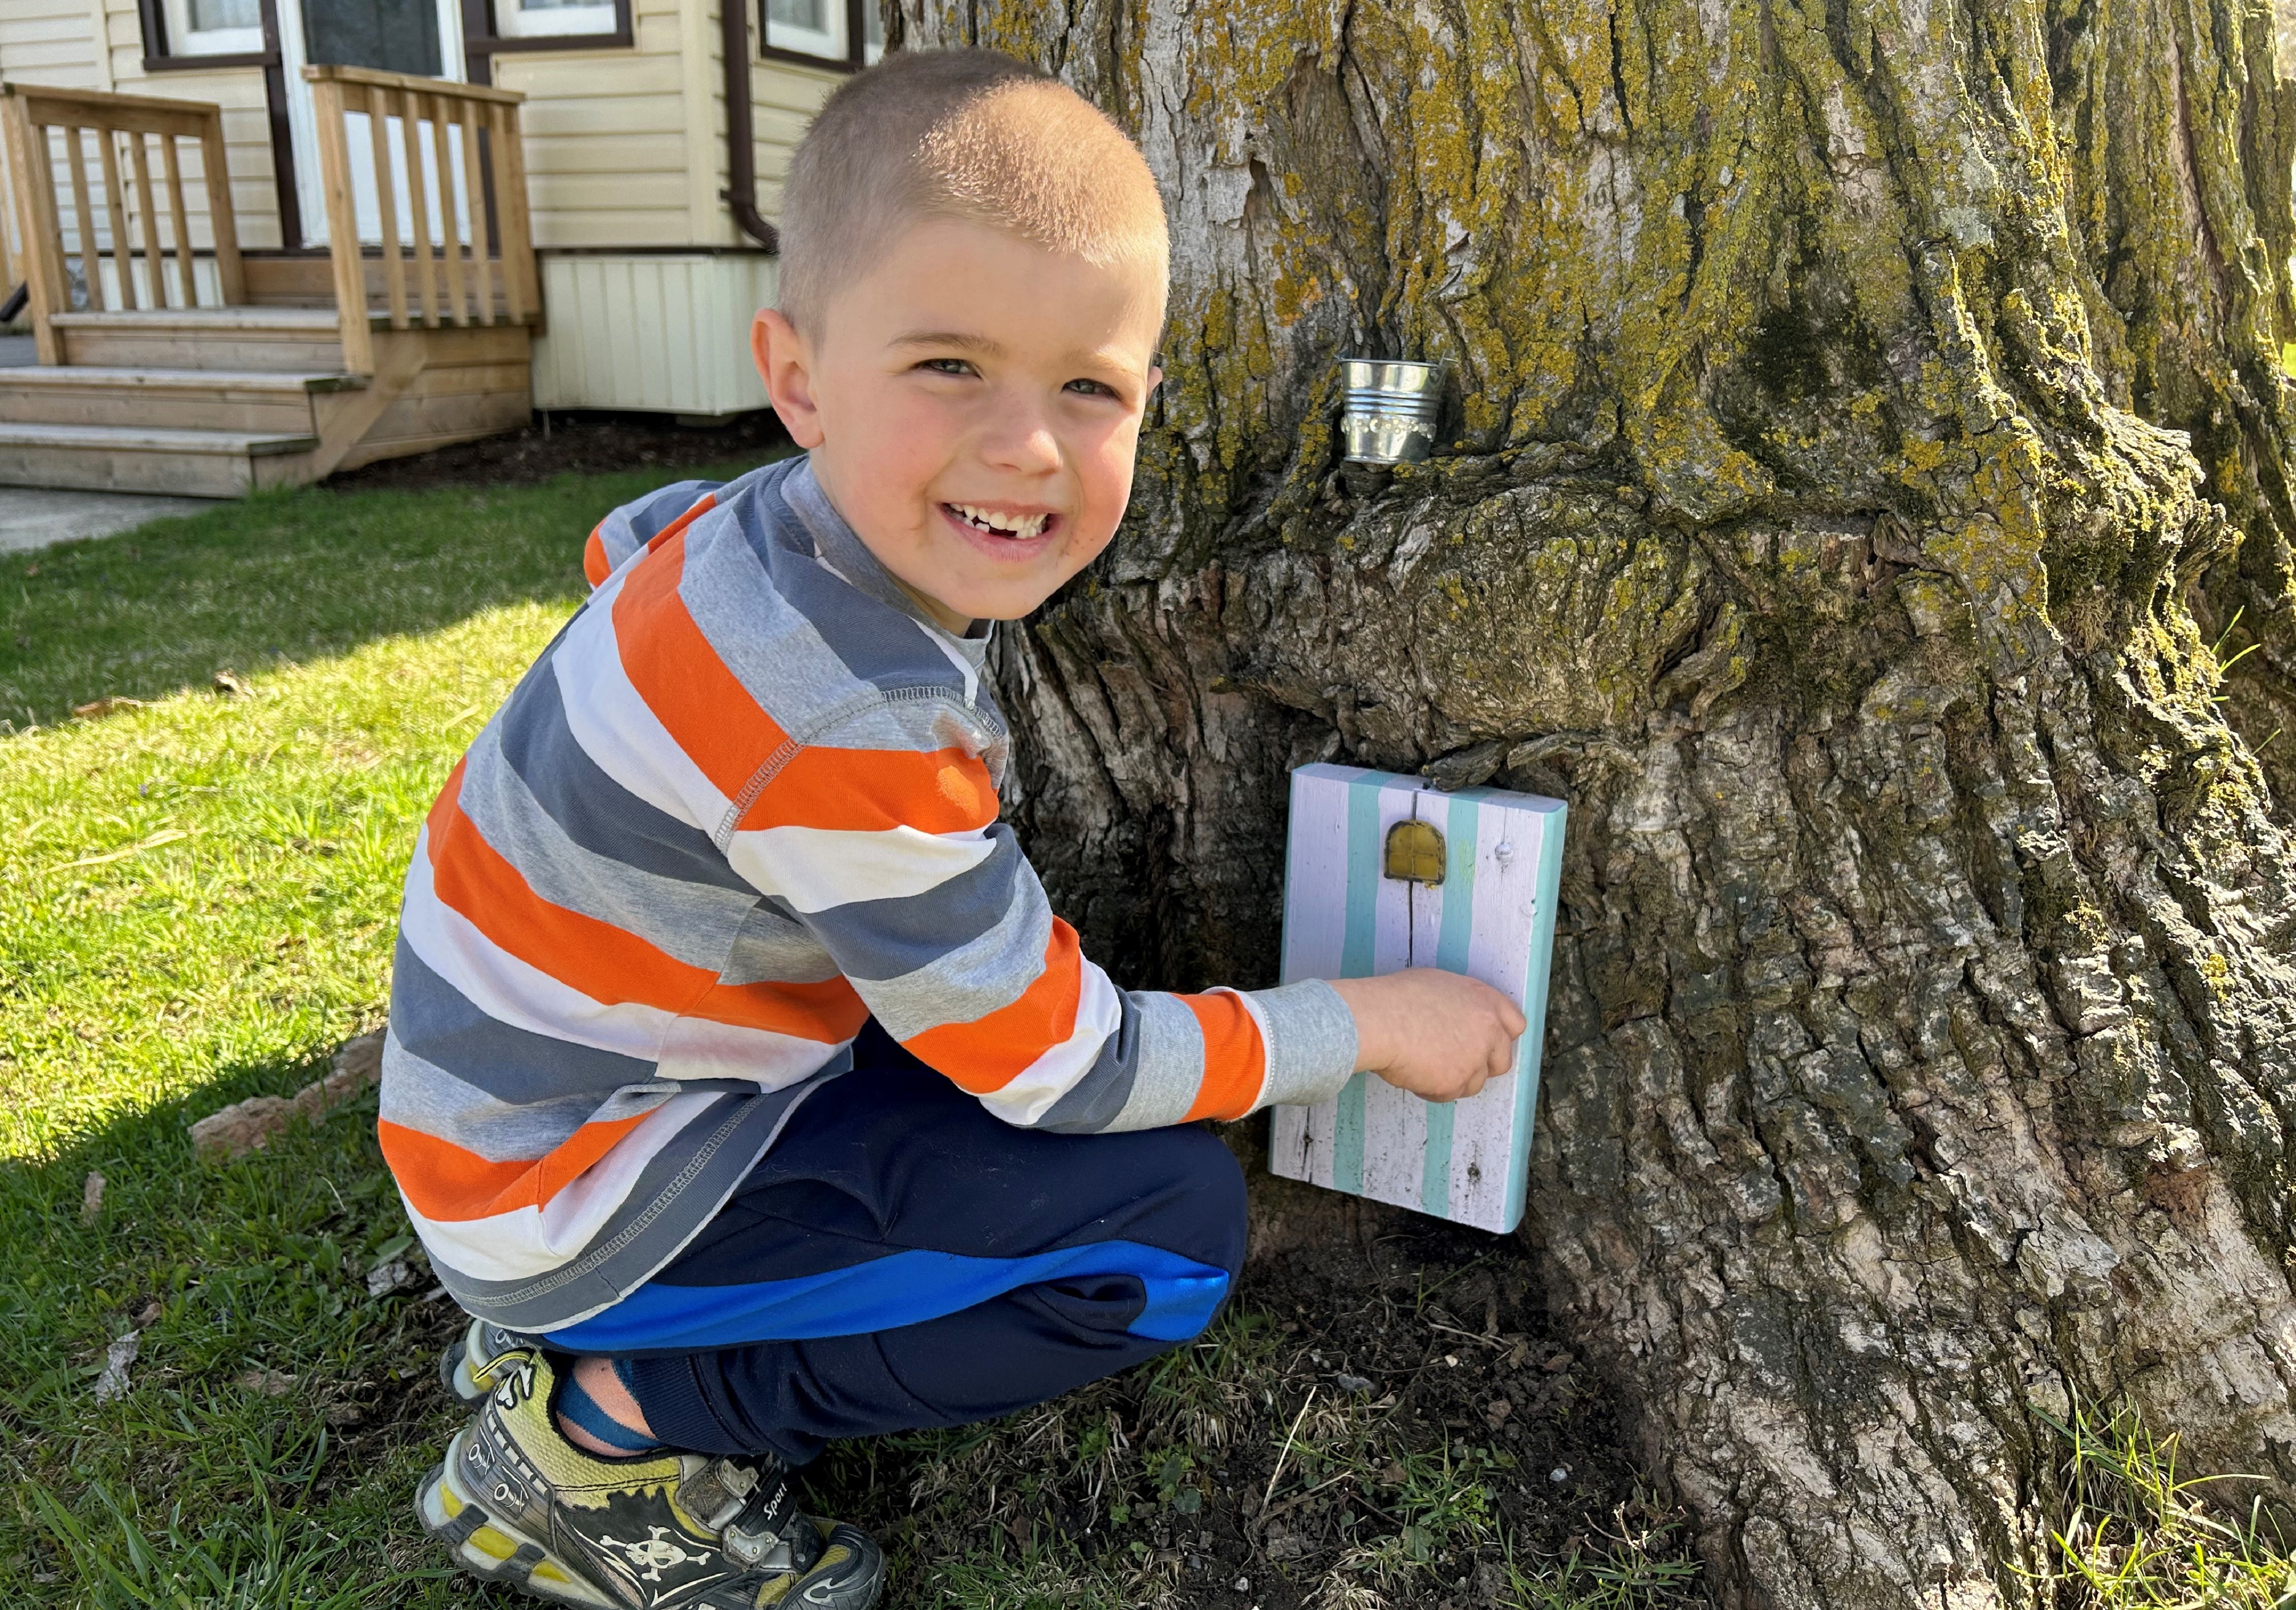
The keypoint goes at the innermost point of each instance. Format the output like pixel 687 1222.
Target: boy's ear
pixel 784 361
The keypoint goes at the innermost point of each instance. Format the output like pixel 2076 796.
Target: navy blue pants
pixel 901 1259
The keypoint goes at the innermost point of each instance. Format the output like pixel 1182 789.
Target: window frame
pixel 482 37
pixel 163 54
pixel 856 41
pixel 542 24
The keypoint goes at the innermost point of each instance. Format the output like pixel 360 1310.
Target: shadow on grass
pixel 278 1414
pixel 287 577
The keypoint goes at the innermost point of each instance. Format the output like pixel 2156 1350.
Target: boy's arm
pixel 896 862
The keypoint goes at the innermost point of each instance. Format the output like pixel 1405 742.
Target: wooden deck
pixel 214 404
pixel 170 363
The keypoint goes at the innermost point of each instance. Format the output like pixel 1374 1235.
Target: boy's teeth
pixel 1022 525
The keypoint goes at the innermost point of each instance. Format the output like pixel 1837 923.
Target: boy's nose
pixel 1022 439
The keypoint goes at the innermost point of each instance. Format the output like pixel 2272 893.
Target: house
pixel 579 197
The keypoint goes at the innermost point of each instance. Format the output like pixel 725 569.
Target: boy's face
pixel 972 404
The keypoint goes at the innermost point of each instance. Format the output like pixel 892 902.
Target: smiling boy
pixel 740 1083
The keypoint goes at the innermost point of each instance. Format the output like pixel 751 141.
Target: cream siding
pixel 707 221
pixel 50 42
pixel 246 125
pixel 783 100
pixel 627 147
pixel 665 334
pixel 608 149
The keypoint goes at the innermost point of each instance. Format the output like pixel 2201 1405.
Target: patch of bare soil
pixel 1382 1418
pixel 584 443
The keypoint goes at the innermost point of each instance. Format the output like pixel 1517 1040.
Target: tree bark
pixel 1855 405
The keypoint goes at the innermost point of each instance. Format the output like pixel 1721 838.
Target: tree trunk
pixel 1853 405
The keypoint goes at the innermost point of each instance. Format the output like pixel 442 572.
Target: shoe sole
pixel 455 1374
pixel 492 1550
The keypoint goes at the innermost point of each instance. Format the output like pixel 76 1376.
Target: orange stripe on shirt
pixel 447 806
pixel 595 567
pixel 698 700
pixel 1235 1063
pixel 609 964
pixel 869 790
pixel 989 1052
pixel 451 1185
pixel 828 1011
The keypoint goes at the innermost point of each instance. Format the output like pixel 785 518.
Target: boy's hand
pixel 1437 1035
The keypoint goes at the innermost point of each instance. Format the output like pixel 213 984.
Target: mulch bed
pixel 584 443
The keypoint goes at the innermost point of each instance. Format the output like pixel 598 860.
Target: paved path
pixel 33 517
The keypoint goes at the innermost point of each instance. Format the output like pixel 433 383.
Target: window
pixel 550 18
pixel 214 28
pixel 824 30
pixel 493 28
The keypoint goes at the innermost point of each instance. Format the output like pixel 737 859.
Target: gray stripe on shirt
pixel 1311 1043
pixel 1169 1071
pixel 962 985
pixel 693 921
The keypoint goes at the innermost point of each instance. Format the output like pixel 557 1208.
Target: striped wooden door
pixel 1491 917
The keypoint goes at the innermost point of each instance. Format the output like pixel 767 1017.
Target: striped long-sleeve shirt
pixel 745 800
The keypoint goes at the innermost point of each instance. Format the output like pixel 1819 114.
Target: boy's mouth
pixel 991 522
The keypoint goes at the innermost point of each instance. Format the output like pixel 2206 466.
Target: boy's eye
pixel 947 365
pixel 1090 389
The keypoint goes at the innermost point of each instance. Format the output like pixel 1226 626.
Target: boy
pixel 740 1082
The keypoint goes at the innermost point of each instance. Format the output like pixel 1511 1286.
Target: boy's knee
pixel 1214 1197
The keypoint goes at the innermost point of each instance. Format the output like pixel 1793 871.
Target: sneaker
pixel 518 1503
pixel 473 1359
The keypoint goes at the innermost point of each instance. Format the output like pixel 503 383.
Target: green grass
pixel 281 580
pixel 197 903
pixel 2126 1532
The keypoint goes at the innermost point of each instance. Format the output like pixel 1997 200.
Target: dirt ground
pixel 1383 1418
pixel 584 443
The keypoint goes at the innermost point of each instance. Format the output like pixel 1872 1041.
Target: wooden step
pixel 274 340
pixel 167 399
pixel 112 458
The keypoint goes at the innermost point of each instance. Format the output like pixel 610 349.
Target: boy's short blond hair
pixel 958 134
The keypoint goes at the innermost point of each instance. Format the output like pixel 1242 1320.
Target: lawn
pixel 197 885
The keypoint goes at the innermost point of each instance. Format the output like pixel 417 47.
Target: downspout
pixel 741 191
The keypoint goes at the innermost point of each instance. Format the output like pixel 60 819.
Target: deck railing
pixel 48 132
pixel 11 256
pixel 443 201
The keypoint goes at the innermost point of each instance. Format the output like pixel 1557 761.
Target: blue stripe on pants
pixel 1178 1294
pixel 900 1258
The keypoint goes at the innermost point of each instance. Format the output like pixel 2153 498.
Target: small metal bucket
pixel 1391 410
